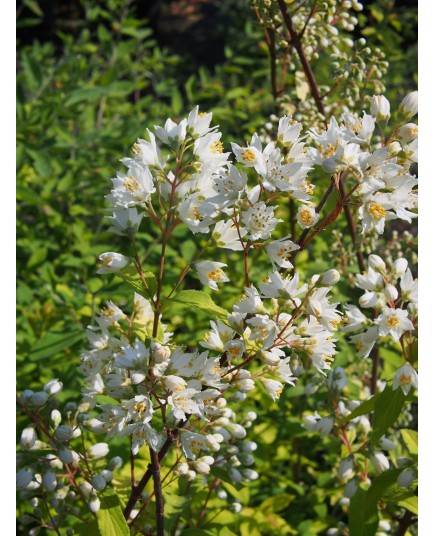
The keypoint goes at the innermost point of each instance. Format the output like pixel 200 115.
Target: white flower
pixel 133 357
pixel 280 251
pixel 182 403
pixel 251 156
pixel 408 287
pixel 132 188
pixel 393 322
pixel 405 377
pixel 191 441
pixel 199 123
pixel 172 134
pixel 380 108
pixel 306 216
pixel 408 132
pixel 210 273
pixel 196 213
pixel 409 105
pixel 111 262
pixel 228 236
pixel 288 130
pixel 259 221
pixel 125 220
pixel 273 387
pixel 148 153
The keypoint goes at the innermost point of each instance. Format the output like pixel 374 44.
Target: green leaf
pixel 277 503
pixel 410 504
pixel 199 300
pixel 111 521
pixel 87 529
pixel 387 410
pixel 87 94
pixel 52 343
pixel 365 407
pixel 196 532
pixel 410 439
pixel 363 514
pixel 130 275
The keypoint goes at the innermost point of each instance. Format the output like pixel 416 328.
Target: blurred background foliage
pixel 92 76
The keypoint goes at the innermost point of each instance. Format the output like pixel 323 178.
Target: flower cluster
pixel 392 292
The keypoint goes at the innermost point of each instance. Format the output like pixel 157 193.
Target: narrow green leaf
pixel 54 342
pixel 87 94
pixel 387 410
pixel 111 521
pixel 199 300
pixel 277 503
pixel 365 407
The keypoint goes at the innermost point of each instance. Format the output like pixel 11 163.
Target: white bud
pixel 64 433
pixel 380 108
pixel 25 396
pixel 270 359
pixel 380 462
pixel 56 417
pixel 236 507
pixel 108 475
pixel 181 469
pixel 160 353
pixel 94 504
pixel 376 263
pixel 53 387
pixel 329 278
pixel 234 474
pixel 99 450
pixel 28 438
pixel 237 430
pixel 394 148
pixel 201 467
pixel 408 132
pixel 409 105
pixel 400 266
pixel 222 495
pixel 250 446
pixel 49 480
pixel 406 478
pixel 251 416
pixel 245 385
pixel 221 403
pixel 98 482
pixel 387 444
pixel 250 474
pixel 191 475
pixel 391 293
pixel 173 383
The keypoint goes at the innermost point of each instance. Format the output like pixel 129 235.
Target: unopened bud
pixel 329 278
pixel 409 105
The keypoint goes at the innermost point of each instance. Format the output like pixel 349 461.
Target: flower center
pixel 377 211
pixel 305 215
pixel 392 321
pixel 248 155
pixel 216 275
pixel 216 147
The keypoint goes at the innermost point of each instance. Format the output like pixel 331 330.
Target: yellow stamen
pixel 377 211
pixel 248 155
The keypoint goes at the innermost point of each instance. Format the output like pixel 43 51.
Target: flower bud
pixel 64 433
pixel 250 474
pixel 380 462
pixel 49 480
pixel 38 399
pixel 181 469
pixel 98 482
pixel 251 416
pixel 409 105
pixel 24 477
pixel 406 478
pixel 387 444
pixel 408 132
pixel 56 417
pixel 65 455
pixel 394 148
pixel 201 467
pixel 173 383
pixel 236 507
pixel 25 396
pixel 108 475
pixel 391 293
pixel 53 387
pixel 400 266
pixel 376 263
pixel 380 109
pixel 191 475
pixel 94 504
pixel 245 385
pixel 346 468
pixel 160 353
pixel 350 488
pixel 99 450
pixel 234 474
pixel 236 430
pixel 329 278
pixel 28 438
pixel 222 495
pixel 115 463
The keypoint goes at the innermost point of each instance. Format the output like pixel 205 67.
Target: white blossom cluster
pixel 392 292
pixel 55 470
